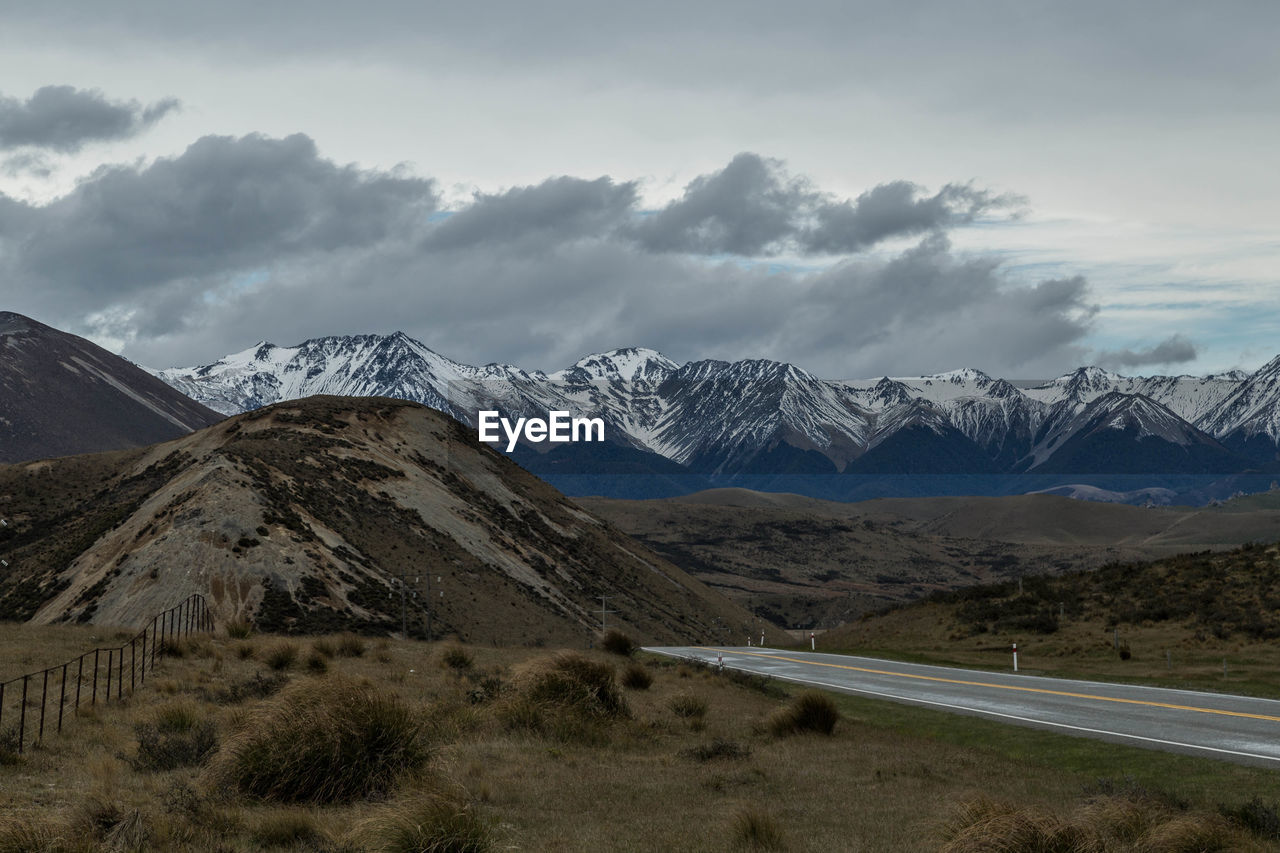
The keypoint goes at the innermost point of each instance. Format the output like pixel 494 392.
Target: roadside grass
pixel 633 777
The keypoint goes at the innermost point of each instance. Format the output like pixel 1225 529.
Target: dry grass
pixel 642 780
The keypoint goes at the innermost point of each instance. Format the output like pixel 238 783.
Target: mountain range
pixel 674 428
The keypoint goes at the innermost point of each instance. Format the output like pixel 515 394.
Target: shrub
pixel 258 687
pixel 719 748
pixel 239 629
pixel 286 829
pixel 1256 816
pixel 178 737
pixel 282 655
pixel 636 677
pixel 757 830
pixel 687 706
pixel 429 823
pixel 9 754
pixel 575 681
pixel 811 711
pixel 456 658
pixel 324 742
pixel 350 646
pixel 618 643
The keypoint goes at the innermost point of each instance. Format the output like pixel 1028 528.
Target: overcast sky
pixel 858 188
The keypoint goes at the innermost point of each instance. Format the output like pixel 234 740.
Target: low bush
pixel 350 646
pixel 636 677
pixel 321 742
pixel 720 748
pixel 281 656
pixel 287 829
pixel 1257 817
pixel 455 657
pixel 177 737
pixel 811 711
pixel 575 681
pixel 239 629
pixel 617 643
pixel 754 829
pixel 687 706
pixel 428 823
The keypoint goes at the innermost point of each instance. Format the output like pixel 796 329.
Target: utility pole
pixel 605 611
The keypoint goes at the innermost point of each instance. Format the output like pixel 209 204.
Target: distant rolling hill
pixel 805 562
pixel 61 394
pixel 316 515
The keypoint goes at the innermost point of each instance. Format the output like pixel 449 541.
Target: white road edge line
pixel 985 713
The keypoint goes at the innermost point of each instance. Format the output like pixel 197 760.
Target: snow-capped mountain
pixel 758 417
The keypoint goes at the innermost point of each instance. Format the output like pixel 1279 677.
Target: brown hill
pixel 1207 619
pixel 308 515
pixel 60 395
pixel 805 562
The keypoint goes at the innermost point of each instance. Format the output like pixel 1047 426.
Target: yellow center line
pixel 1042 690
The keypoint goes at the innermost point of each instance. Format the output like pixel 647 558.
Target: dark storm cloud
pixel 224 206
pixel 65 119
pixel 557 209
pixel 1176 349
pixel 238 240
pixel 753 207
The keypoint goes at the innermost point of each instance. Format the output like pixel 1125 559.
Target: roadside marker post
pixel 762 637
pixel 813 643
pixel 1015 657
pixel 720 662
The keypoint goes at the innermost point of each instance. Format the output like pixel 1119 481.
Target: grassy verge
pixel 542 750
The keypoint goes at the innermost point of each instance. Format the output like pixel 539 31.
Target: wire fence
pixel 39 701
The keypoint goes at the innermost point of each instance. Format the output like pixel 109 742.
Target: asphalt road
pixel 1232 728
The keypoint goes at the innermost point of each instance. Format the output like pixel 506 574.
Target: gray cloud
pixel 753 207
pixel 237 240
pixel 557 209
pixel 1175 349
pixel 65 119
pixel 27 163
pixel 225 207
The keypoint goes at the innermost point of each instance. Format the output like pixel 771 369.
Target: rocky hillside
pixel 330 513
pixel 60 394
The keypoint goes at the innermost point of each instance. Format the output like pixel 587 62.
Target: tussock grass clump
pixel 617 643
pixel 754 829
pixel 811 711
pixel 687 706
pixel 23 833
pixel 178 736
pixel 259 686
pixel 328 741
pixel 324 647
pixel 575 681
pixel 282 655
pixel 455 657
pixel 350 646
pixel 428 823
pixel 636 677
pixel 9 754
pixel 317 664
pixel 1257 817
pixel 566 696
pixel 718 749
pixel 1102 825
pixel 239 629
pixel 244 651
pixel 287 829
